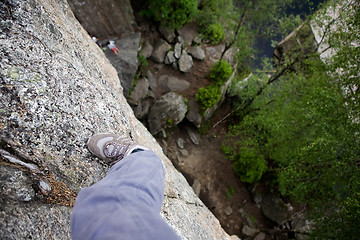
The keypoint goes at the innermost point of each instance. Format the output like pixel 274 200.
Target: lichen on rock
pixel 58 89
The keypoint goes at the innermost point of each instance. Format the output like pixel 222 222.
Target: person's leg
pixel 125 204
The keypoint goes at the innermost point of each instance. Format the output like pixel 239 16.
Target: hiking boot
pixel 112 148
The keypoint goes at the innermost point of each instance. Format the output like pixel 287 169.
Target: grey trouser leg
pixel 125 204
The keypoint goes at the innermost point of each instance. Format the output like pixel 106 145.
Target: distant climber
pixel 126 203
pixel 96 40
pixel 113 47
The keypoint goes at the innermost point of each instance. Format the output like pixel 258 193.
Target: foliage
pixel 306 125
pixel 343 223
pixel 220 72
pixel 214 32
pixel 230 192
pixel 214 11
pixel 282 27
pixel 249 165
pixel 143 65
pixel 208 96
pixel 216 18
pixel 136 78
pixel 172 13
pixel 204 128
pixel 170 122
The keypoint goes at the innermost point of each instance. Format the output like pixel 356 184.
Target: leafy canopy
pixel 172 13
pixel 304 120
pixel 208 96
pixel 220 71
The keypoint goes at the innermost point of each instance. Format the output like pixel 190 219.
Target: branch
pixel 227 115
pixel 328 26
pixel 228 45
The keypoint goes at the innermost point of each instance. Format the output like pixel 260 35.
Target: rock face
pixel 104 18
pixel 57 89
pixel 125 62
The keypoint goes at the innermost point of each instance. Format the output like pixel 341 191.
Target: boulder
pixel 185 62
pixel 260 236
pixel 197 52
pixel 168 110
pixel 170 83
pixel 160 50
pixel 180 40
pixel 197 39
pixel 142 109
pixel 146 50
pixel 188 32
pixel 193 136
pixel 152 80
pixel 177 50
pixel 251 222
pixel 197 187
pixel 300 223
pixel 180 142
pixel 250 232
pixel 175 66
pixel 275 209
pixel 213 53
pixel 170 58
pixel 167 33
pixel 140 91
pixel 184 152
pixel 194 115
pixel 228 211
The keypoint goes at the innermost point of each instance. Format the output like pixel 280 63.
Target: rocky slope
pixel 57 89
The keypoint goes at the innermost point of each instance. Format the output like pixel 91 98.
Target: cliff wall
pixel 57 89
pixel 105 18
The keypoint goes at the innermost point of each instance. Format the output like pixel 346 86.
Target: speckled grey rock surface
pixel 167 111
pixel 57 89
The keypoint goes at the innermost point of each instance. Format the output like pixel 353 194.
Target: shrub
pixel 215 33
pixel 230 192
pixel 208 96
pixel 249 165
pixel 143 65
pixel 172 13
pixel 220 71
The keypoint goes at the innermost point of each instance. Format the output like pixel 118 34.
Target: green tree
pixel 208 96
pixel 304 119
pixel 220 72
pixel 172 13
pixel 249 165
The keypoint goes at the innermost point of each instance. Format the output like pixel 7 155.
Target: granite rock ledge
pixel 57 89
